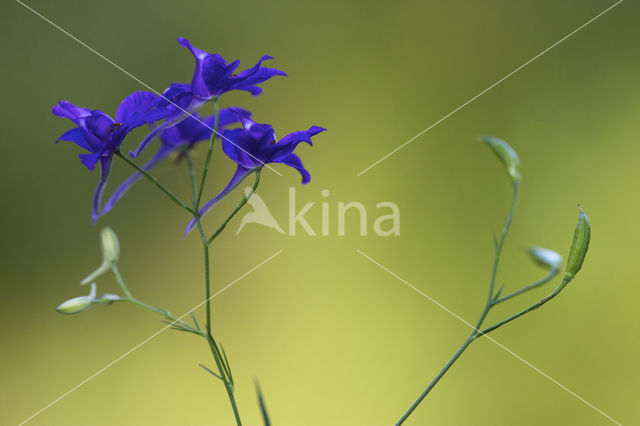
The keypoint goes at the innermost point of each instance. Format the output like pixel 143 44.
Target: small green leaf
pixel 579 245
pixel 209 371
pixel 506 154
pixel 195 321
pixel 263 406
pixel 226 364
pixel 498 293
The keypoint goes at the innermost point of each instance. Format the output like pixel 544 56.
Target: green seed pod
pixel 506 154
pixel 579 246
pixel 78 304
pixel 545 257
pixel 110 246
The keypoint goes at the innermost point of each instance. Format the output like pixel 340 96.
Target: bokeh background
pixel 333 339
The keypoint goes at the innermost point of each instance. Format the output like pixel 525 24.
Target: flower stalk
pixel 545 257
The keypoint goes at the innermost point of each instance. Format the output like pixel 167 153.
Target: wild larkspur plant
pixel 175 122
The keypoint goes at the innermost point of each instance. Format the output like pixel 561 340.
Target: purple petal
pixel 154 132
pixel 77 136
pixel 215 74
pixel 105 165
pixel 236 179
pixel 99 125
pixel 301 136
pixel 249 84
pixel 288 144
pixel 139 107
pixel 251 71
pixel 292 160
pixel 170 121
pixel 198 85
pixel 68 110
pixel 90 160
pixel 232 115
pixel 241 148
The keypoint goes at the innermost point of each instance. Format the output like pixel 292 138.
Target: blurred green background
pixel 333 339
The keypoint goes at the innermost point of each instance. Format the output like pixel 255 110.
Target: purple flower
pixel 183 135
pixel 253 146
pixel 212 77
pixel 99 134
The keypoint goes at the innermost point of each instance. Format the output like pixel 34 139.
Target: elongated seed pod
pixel 579 246
pixel 506 154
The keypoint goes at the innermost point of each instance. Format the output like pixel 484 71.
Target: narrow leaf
pixel 195 321
pixel 208 370
pixel 263 406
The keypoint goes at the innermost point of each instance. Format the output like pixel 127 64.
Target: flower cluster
pixel 174 120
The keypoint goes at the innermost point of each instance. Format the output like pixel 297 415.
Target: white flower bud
pixel 110 252
pixel 546 257
pixel 110 246
pixel 78 304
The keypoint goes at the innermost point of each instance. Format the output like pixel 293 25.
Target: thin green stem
pixel 207 160
pixel 540 282
pixel 129 297
pixel 488 305
pixel 223 368
pixel 503 236
pixel 244 201
pixel 535 306
pixel 120 281
pixel 435 380
pixel 155 181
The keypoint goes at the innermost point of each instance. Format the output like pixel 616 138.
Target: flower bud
pixel 579 246
pixel 506 154
pixel 78 304
pixel 545 257
pixel 110 246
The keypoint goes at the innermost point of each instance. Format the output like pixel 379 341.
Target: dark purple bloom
pixel 183 135
pixel 255 145
pixel 180 103
pixel 99 134
pixel 211 78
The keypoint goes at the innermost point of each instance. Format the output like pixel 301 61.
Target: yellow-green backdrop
pixel 333 339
